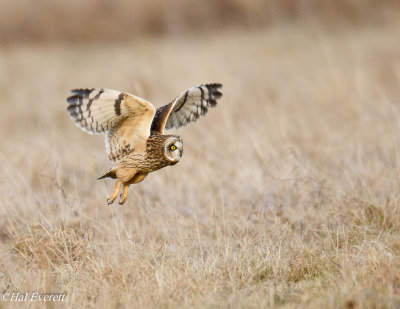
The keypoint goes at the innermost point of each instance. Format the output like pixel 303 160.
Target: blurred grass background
pixel 124 20
pixel 287 194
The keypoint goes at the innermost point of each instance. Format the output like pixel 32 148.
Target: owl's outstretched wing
pixel 124 118
pixel 187 107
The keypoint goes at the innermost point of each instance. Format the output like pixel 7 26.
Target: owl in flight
pixel 134 129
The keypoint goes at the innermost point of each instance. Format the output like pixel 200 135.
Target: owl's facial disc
pixel 173 149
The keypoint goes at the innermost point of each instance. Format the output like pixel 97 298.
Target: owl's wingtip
pixel 214 85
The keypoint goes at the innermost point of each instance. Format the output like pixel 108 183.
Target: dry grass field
pixel 288 193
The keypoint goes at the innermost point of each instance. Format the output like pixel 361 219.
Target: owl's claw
pixel 123 198
pixel 110 200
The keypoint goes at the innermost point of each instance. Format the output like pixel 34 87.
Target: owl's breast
pixel 155 161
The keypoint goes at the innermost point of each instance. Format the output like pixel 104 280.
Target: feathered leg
pixel 124 194
pixel 117 187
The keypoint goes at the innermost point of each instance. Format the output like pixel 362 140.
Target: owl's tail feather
pixel 110 174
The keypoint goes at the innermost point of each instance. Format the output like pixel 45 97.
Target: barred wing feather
pixel 186 108
pixel 124 118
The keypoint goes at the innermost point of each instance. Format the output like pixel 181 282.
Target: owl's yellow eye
pixel 173 147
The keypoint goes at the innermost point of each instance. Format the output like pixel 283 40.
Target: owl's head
pixel 173 149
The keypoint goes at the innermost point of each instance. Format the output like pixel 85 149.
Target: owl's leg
pixel 112 198
pixel 135 179
pixel 124 194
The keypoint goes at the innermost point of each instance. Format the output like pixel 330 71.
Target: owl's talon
pixel 110 201
pixel 122 200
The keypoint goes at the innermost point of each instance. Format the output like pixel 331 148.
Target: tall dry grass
pixel 287 194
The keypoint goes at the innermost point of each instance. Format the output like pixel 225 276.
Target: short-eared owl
pixel 134 129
